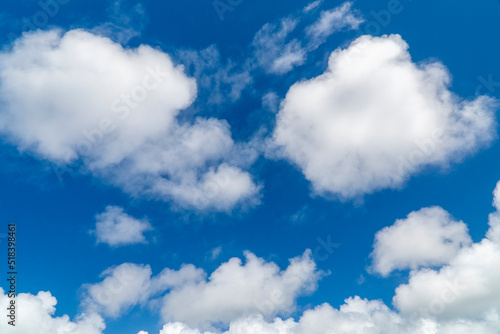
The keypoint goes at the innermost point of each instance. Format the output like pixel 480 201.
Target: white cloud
pixel 272 50
pixel 128 285
pixel 35 315
pixel 232 291
pixel 222 81
pixel 123 23
pixel 331 21
pixel 77 95
pixel 215 253
pixel 312 6
pixel 375 118
pixel 428 237
pixel 116 228
pixel 122 288
pixel 270 101
pixel 235 290
pixel 467 287
pixel 277 53
pixel 180 328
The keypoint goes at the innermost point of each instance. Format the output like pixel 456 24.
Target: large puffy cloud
pixel 235 290
pixel 77 96
pixel 128 285
pixel 375 118
pixel 58 87
pixel 122 288
pixel 460 298
pixel 35 315
pixel 232 291
pixel 116 228
pixel 428 237
pixel 467 287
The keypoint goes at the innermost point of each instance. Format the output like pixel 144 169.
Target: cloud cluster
pixel 116 228
pixel 461 297
pixel 273 49
pixel 232 291
pixel 331 21
pixel 371 121
pixel 76 96
pixel 235 290
pixel 127 285
pixel 375 118
pixel 124 22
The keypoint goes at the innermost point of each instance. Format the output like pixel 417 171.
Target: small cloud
pixel 116 228
pixel 278 53
pixel 332 21
pixel 125 23
pixel 270 101
pixel 312 6
pixel 301 215
pixel 215 253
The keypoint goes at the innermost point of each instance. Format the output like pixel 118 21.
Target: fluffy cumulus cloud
pixel 234 290
pixel 428 237
pixel 35 315
pixel 122 288
pixel 375 118
pixel 75 96
pixel 116 228
pixel 466 287
pixel 128 285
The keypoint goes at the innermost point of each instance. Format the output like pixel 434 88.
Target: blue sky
pixel 272 128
